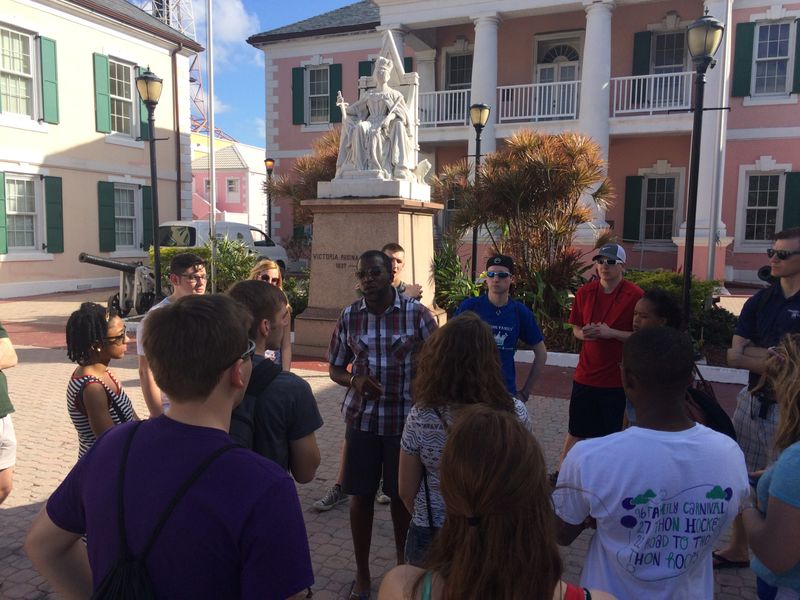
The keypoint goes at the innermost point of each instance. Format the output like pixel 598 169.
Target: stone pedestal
pixel 343 229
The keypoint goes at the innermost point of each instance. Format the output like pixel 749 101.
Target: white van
pixel 192 234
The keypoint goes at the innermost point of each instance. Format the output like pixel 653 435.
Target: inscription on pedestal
pixel 341 262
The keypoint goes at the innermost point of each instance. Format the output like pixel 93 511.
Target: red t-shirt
pixel 598 362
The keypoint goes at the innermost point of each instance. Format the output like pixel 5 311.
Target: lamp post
pixel 478 116
pixel 704 37
pixel 149 87
pixel 269 163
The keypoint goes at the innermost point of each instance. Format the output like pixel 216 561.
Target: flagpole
pixel 212 175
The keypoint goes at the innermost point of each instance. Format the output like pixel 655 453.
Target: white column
pixel 484 78
pixel 709 227
pixel 595 90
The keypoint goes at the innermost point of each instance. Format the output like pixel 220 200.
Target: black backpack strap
pixel 263 374
pixel 124 550
pixel 179 494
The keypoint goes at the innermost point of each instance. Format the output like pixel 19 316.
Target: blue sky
pixel 238 67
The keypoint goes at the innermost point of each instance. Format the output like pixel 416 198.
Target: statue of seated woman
pixel 375 133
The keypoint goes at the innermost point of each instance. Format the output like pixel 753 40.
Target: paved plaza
pixel 48 448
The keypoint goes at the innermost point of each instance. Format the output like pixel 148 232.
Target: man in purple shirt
pixel 238 531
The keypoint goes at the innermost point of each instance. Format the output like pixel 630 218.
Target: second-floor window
pixel 318 95
pixel 669 52
pixel 16 73
pixel 771 58
pixel 233 185
pixel 459 71
pixel 121 93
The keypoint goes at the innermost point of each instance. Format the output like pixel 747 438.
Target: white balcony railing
pixel 450 107
pixel 650 94
pixel 538 101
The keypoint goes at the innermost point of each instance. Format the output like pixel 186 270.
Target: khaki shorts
pixel 8 443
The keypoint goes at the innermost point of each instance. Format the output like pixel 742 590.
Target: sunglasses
pixel 247 354
pixel 607 261
pixel 118 339
pixel 498 274
pixel 270 280
pixel 373 272
pixel 782 254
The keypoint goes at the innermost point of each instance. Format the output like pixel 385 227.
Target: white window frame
pixel 662 169
pixel 236 186
pixel 134 99
pixel 39 225
pixel 308 95
pixel 35 77
pixel 789 59
pixel 136 219
pixel 765 165
pixel 315 61
pixel 663 32
pixel 459 48
pixel 207 186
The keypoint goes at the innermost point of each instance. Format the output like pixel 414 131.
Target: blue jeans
pixel 766 591
pixel 418 544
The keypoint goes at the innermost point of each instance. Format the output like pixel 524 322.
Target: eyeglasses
pixel 271 280
pixel 247 354
pixel 782 254
pixel 118 339
pixel 498 274
pixel 373 272
pixel 607 261
pixel 195 279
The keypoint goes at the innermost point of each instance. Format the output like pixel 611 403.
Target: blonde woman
pixel 269 271
pixel 772 521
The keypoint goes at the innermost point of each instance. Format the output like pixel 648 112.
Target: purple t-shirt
pixel 237 533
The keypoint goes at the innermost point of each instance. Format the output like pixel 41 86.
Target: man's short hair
pixel 184 261
pixel 191 342
pixel 262 300
pixel 393 247
pixel 661 358
pixel 387 262
pixel 788 234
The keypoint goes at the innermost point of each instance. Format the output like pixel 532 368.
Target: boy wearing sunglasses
pixel 510 321
pixel 765 318
pixel 601 318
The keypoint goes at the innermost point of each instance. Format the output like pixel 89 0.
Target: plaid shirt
pixel 381 346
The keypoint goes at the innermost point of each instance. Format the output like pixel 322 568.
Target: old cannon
pixel 136 284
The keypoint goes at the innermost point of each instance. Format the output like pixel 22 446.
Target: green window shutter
pixel 3 225
pixel 791 201
pixel 796 74
pixel 408 64
pixel 144 125
pixel 365 68
pixel 642 41
pixel 49 69
pixel 633 208
pixel 105 216
pixel 334 87
pixel 54 214
pixel 298 95
pixel 102 99
pixel 147 216
pixel 743 59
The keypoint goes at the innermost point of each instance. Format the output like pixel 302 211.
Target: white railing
pixel 538 101
pixel 450 107
pixel 650 94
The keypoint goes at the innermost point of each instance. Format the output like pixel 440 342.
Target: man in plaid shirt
pixel 378 336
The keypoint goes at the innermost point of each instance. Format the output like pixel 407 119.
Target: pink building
pixel 619 71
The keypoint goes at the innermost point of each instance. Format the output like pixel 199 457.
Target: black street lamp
pixel 704 37
pixel 149 88
pixel 478 116
pixel 269 163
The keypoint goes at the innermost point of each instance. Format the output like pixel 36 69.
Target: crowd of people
pixel 435 422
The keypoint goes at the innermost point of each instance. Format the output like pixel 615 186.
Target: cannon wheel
pixel 113 302
pixel 144 302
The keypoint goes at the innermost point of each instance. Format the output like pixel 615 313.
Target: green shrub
pixel 233 263
pixel 296 289
pixel 714 327
pixel 452 283
pixel 672 282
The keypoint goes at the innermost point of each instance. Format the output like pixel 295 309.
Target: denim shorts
pixel 766 591
pixel 418 544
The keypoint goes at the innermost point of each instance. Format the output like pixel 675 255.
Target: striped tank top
pixel 119 407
